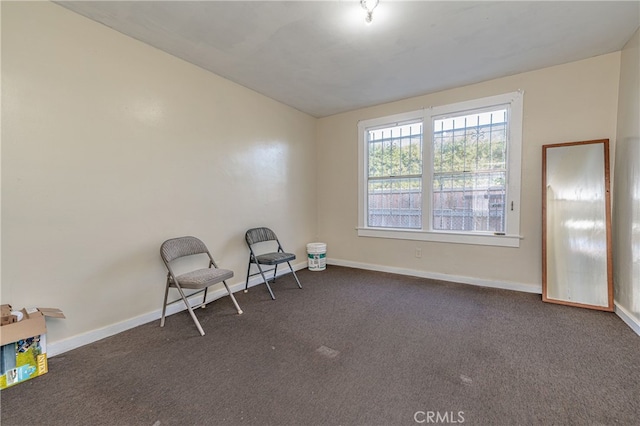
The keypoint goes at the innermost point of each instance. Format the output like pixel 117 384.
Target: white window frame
pixel 511 237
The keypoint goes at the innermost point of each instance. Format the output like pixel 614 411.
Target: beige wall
pixel 572 102
pixel 626 202
pixel 109 147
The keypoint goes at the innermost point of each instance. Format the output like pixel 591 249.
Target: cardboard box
pixel 7 316
pixel 23 348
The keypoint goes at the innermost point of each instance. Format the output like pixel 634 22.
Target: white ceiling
pixel 321 58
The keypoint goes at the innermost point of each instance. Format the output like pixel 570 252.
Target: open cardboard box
pixel 23 349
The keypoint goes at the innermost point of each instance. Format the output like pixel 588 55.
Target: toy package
pixel 22 360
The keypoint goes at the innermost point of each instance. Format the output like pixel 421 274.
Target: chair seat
pixel 275 258
pixel 202 278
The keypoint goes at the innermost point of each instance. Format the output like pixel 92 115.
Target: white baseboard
pixel 506 285
pixel 62 346
pixel 628 318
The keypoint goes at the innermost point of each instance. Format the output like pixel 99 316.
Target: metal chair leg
pixel 204 299
pixel 233 299
pixel 294 275
pixel 164 305
pixel 266 281
pixel 193 315
pixel 246 284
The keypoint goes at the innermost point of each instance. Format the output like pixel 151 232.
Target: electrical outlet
pixel 418 253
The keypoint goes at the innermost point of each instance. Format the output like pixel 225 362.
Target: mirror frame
pixel 607 219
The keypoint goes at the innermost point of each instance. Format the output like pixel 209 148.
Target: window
pixel 395 175
pixel 449 173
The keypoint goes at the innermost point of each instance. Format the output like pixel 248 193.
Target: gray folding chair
pixel 255 236
pixel 199 279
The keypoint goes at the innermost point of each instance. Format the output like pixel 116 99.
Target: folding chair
pixel 199 279
pixel 255 236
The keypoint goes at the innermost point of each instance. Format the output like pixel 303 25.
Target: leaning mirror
pixel 576 225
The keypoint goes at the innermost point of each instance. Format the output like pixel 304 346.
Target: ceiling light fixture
pixel 369 5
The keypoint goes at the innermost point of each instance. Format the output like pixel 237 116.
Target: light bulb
pixel 369 6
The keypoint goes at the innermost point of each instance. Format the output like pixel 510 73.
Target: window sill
pixel 442 237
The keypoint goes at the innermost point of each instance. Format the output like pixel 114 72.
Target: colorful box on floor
pixel 23 349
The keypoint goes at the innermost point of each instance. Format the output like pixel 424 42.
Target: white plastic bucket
pixel 317 256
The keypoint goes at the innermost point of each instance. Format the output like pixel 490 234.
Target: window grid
pixel 469 172
pixel 394 190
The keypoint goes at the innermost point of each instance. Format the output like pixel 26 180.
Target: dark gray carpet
pixel 352 347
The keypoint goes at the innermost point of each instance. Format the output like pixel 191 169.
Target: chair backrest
pixel 180 247
pixel 259 235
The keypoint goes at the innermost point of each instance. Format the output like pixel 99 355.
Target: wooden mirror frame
pixel 574 288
